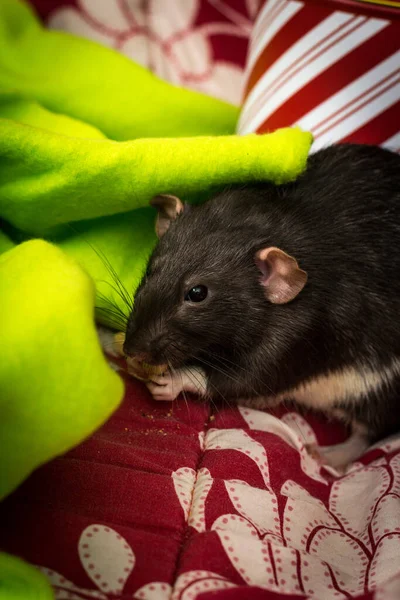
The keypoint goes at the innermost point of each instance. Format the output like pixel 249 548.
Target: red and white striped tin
pixel 332 67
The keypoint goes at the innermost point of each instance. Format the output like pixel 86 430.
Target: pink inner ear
pixel 168 207
pixel 281 276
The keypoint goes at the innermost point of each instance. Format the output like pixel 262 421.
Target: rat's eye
pixel 197 294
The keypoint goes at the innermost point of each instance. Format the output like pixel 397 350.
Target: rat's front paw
pixel 165 387
pixel 168 386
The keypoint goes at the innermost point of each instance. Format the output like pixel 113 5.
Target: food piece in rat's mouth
pixel 144 371
pixel 154 369
pixel 119 339
pixel 139 369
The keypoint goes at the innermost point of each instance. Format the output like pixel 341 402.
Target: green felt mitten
pixel 47 179
pixel 24 110
pixel 20 581
pixel 55 384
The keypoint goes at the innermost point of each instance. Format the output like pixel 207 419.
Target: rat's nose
pixel 145 345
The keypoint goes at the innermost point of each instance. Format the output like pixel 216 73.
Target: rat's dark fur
pixel 341 221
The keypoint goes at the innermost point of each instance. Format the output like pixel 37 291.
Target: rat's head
pixel 207 285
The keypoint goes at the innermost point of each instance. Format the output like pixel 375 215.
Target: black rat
pixel 267 293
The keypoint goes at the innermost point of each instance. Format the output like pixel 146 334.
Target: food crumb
pixel 212 418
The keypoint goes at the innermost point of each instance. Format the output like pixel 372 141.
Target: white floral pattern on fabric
pixel 64 588
pixel 164 38
pixel 154 591
pixel 238 439
pixel 191 583
pixel 293 429
pixel 106 557
pixel 202 487
pixel 184 479
pixel 340 545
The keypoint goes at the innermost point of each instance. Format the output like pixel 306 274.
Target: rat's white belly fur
pixel 336 387
pixel 323 392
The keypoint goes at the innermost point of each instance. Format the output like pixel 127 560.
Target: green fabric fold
pixel 47 179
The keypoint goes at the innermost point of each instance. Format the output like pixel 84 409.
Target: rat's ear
pixel 169 207
pixel 281 276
